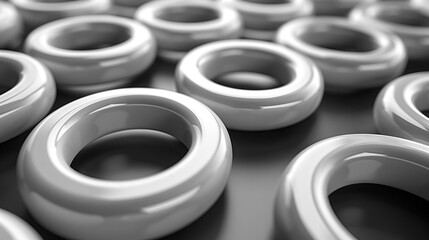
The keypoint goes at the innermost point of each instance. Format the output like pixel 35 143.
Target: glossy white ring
pixel 14 228
pixel 145 208
pixel 351 56
pixel 302 208
pixel 408 22
pixel 298 96
pixel 36 13
pixel 182 25
pixel 397 110
pixel 93 53
pixel 31 97
pixel 261 20
pixel 11 28
pixel 336 7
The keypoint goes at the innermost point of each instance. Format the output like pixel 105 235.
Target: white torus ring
pixel 408 22
pixel 11 27
pixel 93 53
pixel 27 93
pixel 14 228
pixel 263 18
pixel 336 7
pixel 36 13
pixel 296 96
pixel 182 25
pixel 398 108
pixel 351 56
pixel 76 206
pixel 302 208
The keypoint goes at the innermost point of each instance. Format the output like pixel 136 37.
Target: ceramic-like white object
pixel 351 56
pixel 302 207
pixel 11 27
pixel 36 13
pixel 408 21
pixel 298 95
pixel 398 108
pixel 262 19
pixel 336 7
pixel 30 96
pixel 182 25
pixel 14 228
pixel 76 206
pixel 93 53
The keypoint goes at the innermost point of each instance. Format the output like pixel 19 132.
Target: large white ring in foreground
pixel 182 25
pixel 262 19
pixel 93 53
pixel 30 96
pixel 36 12
pixel 397 110
pixel 11 27
pixel 76 206
pixel 14 228
pixel 350 56
pixel 299 94
pixel 302 208
pixel 408 22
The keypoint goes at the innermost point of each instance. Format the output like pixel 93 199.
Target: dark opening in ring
pixel 90 36
pixel 124 142
pixel 338 38
pixel 247 69
pixel 10 73
pixel 187 14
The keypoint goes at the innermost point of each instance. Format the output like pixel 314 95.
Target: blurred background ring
pixel 351 56
pixel 295 94
pixel 182 25
pixel 93 53
pixel 126 8
pixel 408 21
pixel 14 228
pixel 77 206
pixel 336 7
pixel 262 18
pixel 27 93
pixel 302 207
pixel 11 28
pixel 38 12
pixel 399 108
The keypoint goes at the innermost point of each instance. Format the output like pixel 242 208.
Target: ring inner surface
pixel 403 16
pixel 187 14
pixel 120 119
pixel 90 36
pixel 338 38
pixel 387 166
pixel 10 73
pixel 421 100
pixel 247 69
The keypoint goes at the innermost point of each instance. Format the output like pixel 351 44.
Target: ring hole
pixel 10 75
pixel 187 14
pixel 129 155
pixel 421 103
pixel 372 211
pixel 403 16
pixel 90 36
pixel 127 141
pixel 247 69
pixel 268 1
pixel 338 38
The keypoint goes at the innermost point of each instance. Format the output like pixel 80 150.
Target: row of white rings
pixel 79 212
